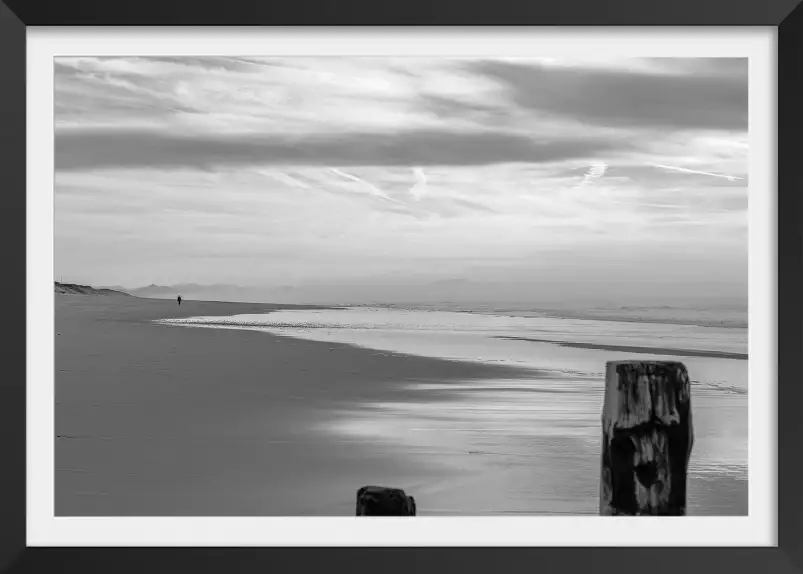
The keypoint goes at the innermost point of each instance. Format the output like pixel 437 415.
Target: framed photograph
pixel 397 282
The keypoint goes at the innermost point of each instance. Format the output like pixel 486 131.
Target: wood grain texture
pixel 647 437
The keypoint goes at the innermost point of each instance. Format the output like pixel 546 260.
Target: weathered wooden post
pixel 384 501
pixel 647 437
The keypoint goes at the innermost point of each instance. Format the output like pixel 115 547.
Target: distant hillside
pixel 72 289
pixel 155 292
pixel 217 292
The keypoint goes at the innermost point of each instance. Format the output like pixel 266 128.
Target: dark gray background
pixel 14 557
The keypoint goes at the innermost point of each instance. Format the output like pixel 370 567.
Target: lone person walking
pixel 179 300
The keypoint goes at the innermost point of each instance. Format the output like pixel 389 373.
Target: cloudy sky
pixel 621 176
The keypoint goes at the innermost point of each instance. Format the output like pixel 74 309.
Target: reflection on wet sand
pixel 533 446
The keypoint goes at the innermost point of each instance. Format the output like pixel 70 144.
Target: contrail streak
pixel 685 170
pixel 371 188
pixel 284 178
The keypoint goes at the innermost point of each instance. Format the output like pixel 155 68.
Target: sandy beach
pixel 155 419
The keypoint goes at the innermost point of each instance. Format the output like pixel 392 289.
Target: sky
pixel 550 177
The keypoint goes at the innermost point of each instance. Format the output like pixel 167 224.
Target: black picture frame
pixel 16 15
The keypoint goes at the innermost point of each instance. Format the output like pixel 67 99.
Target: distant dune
pixel 72 289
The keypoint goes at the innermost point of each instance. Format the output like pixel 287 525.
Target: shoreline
pixel 593 314
pixel 636 350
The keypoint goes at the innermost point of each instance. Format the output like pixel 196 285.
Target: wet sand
pixel 167 420
pixel 160 420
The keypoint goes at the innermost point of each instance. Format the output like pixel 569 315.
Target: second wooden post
pixel 646 438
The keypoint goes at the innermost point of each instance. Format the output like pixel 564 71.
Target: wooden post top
pixel 384 501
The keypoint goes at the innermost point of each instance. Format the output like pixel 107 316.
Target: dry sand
pixel 160 420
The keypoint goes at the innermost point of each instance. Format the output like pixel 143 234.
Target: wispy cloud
pixel 420 187
pixel 627 97
pixel 596 171
pixel 129 148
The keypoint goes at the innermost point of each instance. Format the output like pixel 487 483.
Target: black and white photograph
pixel 400 286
